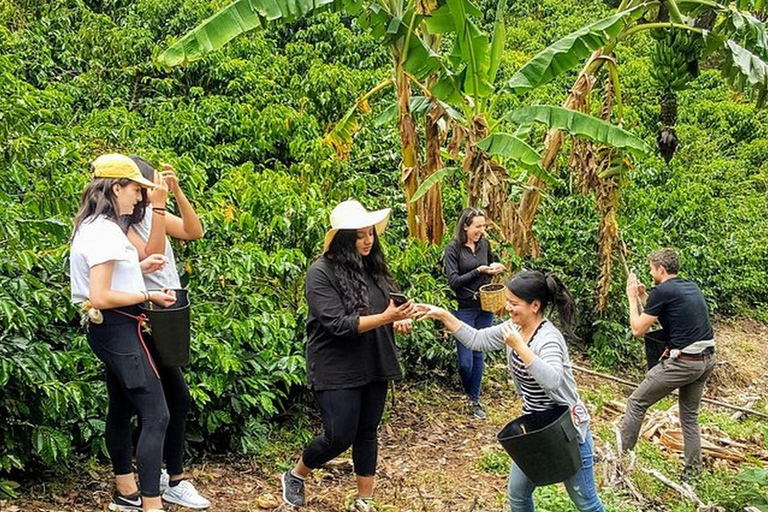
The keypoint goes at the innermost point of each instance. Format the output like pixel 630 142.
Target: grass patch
pixel 494 462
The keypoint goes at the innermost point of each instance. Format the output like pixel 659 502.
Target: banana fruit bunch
pixel 675 58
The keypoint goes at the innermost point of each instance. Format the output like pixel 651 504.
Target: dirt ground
pixel 431 453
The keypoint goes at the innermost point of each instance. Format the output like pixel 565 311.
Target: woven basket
pixel 492 297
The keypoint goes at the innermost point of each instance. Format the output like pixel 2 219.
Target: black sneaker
pixel 477 410
pixel 125 503
pixel 293 489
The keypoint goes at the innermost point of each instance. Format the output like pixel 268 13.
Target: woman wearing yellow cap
pixel 106 279
pixel 351 353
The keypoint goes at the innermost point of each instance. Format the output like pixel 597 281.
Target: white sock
pixel 297 476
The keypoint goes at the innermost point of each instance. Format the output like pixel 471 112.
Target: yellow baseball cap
pixel 119 166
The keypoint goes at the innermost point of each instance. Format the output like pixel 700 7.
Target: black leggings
pixel 351 417
pixel 179 402
pixel 132 386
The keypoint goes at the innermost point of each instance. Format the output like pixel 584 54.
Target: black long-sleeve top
pixel 461 269
pixel 338 356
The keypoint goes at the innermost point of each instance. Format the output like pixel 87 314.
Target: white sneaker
pixel 164 479
pixel 185 495
pixel 362 505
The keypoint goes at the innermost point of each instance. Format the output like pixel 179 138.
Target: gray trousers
pixel 660 381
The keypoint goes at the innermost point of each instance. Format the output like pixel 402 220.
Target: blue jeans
pixel 472 362
pixel 580 487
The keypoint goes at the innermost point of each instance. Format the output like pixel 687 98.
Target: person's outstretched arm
pixel 484 340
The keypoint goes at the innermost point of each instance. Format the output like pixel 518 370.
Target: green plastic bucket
pixel 545 445
pixel 169 341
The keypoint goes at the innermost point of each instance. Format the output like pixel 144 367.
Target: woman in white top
pixel 106 278
pixel 150 235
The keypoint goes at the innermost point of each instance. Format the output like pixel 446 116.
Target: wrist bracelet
pixel 158 209
pixel 146 296
pixel 159 212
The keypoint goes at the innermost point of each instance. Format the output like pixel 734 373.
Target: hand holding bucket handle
pixel 163 298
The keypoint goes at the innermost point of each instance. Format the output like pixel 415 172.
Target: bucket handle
pixel 570 433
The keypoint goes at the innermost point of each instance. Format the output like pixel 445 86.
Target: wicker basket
pixel 492 297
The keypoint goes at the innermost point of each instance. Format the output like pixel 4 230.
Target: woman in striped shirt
pixel 537 357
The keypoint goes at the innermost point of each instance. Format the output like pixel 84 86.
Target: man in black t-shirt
pixel 679 306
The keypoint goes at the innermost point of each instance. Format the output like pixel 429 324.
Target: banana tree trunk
pixel 409 142
pixel 524 242
pixel 488 182
pixel 433 200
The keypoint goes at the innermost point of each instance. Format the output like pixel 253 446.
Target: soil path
pixel 433 457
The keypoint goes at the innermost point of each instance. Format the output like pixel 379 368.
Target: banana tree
pixel 396 24
pixel 708 27
pixel 492 159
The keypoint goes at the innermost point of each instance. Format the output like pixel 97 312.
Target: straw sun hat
pixel 353 215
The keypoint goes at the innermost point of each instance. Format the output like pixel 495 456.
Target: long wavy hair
pixel 549 290
pixel 348 267
pixel 98 199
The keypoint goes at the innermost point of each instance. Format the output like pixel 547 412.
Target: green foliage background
pixel 244 128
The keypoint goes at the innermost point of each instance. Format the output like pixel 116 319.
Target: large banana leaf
pixel 420 106
pixel 752 5
pixel 471 54
pixel 517 150
pixel 497 43
pixel 579 124
pixel 570 51
pixel 435 178
pixel 746 71
pixel 744 27
pixel 237 18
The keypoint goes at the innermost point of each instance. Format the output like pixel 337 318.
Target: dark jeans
pixel 472 362
pixel 351 417
pixel 131 386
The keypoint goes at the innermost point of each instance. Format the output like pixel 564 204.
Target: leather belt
pixel 687 357
pixel 693 357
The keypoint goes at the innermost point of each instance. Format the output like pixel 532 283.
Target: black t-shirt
pixel 682 312
pixel 461 269
pixel 339 357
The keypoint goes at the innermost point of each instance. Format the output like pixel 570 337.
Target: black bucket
pixel 655 344
pixel 545 445
pixel 170 330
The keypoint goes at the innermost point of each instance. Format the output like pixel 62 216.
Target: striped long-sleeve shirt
pixel 547 381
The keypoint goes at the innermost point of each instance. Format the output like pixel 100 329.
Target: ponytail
pixel 548 289
pixel 562 300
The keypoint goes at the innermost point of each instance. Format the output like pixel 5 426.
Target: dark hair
pixel 531 285
pixel 148 172
pixel 99 199
pixel 348 267
pixel 666 258
pixel 465 220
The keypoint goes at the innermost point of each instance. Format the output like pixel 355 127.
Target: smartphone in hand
pixel 398 298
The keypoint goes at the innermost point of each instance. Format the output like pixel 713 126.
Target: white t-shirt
pixel 97 241
pixel 167 277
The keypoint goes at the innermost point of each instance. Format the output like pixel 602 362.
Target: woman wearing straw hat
pixel 469 264
pixel 537 357
pixel 106 279
pixel 351 353
pixel 149 234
